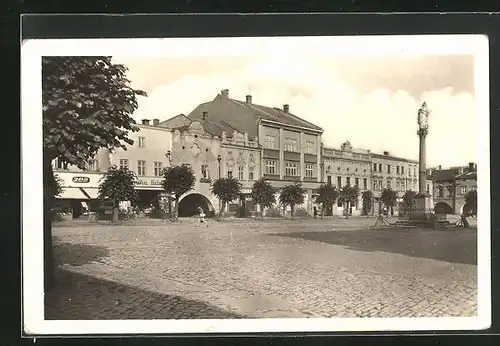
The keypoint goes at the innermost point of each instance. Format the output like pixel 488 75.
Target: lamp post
pixel 168 155
pixel 219 158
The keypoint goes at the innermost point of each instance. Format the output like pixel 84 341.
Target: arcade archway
pixel 188 206
pixel 443 208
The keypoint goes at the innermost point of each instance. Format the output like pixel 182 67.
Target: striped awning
pixel 91 192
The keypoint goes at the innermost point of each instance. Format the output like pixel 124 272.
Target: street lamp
pixel 219 158
pixel 168 155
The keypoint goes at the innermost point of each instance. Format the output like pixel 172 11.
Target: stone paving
pixel 272 268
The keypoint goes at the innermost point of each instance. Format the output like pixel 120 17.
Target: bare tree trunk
pixel 262 212
pixel 116 216
pixel 347 210
pixel 292 214
pixel 49 277
pixel 222 208
pixel 322 211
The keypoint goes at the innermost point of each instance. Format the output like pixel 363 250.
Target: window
pixel 356 181
pixel 204 172
pixel 123 163
pixel 402 169
pixel 397 169
pixel 348 181
pixel 158 168
pixel 250 173
pixel 141 167
pixel 309 170
pixel 374 167
pixel 339 182
pixel 463 190
pixel 415 171
pixel 309 149
pixel 389 169
pixel 397 185
pixel 440 191
pixel 142 142
pixel 270 167
pixel 380 167
pixel 428 189
pixel 388 183
pixel 365 184
pixel 270 142
pixel 375 185
pixel 93 165
pixel 240 173
pixel 329 179
pixel 291 169
pixel 290 144
pixel 229 172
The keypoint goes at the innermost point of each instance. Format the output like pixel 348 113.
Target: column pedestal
pixel 423 207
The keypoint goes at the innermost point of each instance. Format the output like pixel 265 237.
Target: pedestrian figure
pixel 201 215
pixel 315 211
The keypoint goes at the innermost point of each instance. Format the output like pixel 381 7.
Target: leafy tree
pixel 327 196
pixel 87 105
pixel 57 186
pixel 349 196
pixel 471 202
pixel 291 195
pixel 367 200
pixel 409 200
pixel 263 195
pixel 178 180
pixel 226 190
pixel 389 197
pixel 117 185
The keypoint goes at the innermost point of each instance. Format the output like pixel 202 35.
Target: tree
pixel 389 197
pixel 327 196
pixel 471 202
pixel 349 196
pixel 226 190
pixel 87 105
pixel 117 185
pixel 263 195
pixel 291 195
pixel 367 200
pixel 409 200
pixel 178 180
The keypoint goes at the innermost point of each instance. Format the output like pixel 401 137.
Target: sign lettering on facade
pixel 152 182
pixel 81 180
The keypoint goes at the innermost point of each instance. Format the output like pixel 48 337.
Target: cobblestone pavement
pixel 272 268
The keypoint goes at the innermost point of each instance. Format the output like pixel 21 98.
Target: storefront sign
pixel 152 182
pixel 80 180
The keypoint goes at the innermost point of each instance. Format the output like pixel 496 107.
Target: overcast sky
pixel 371 101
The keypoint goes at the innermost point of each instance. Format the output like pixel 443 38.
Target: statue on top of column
pixel 423 117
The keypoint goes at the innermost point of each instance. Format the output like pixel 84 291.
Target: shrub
pixel 273 212
pixel 302 212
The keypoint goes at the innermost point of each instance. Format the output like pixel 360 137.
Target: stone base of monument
pixel 422 215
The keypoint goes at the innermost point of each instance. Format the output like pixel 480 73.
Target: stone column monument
pixel 423 202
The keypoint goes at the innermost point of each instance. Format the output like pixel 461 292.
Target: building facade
pixel 451 185
pixel 146 157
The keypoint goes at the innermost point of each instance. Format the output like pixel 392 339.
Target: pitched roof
pixel 471 175
pixel 443 175
pixel 233 115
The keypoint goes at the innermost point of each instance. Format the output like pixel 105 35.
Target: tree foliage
pixel 178 180
pixel 117 185
pixel 367 201
pixel 327 196
pixel 226 190
pixel 263 195
pixel 87 105
pixel 56 185
pixel 389 198
pixel 292 195
pixel 409 200
pixel 471 202
pixel 349 195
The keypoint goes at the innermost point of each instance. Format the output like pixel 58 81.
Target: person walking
pixel 315 211
pixel 201 215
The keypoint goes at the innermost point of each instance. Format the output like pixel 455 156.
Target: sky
pixel 372 101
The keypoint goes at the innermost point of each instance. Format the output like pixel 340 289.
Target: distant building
pixel 450 187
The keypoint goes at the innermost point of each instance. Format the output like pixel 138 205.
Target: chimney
pixel 145 121
pixel 471 166
pixel 386 153
pixel 156 122
pixel 249 99
pixel 225 93
pixel 286 108
pixel 204 115
pixel 439 167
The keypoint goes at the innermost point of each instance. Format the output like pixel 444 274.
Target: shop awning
pixel 91 193
pixel 72 193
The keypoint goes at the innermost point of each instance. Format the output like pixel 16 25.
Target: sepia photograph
pixel 258 184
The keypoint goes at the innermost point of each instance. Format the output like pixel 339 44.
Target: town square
pixel 326 185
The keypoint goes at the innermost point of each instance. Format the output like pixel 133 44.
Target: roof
pixel 392 157
pixel 232 115
pixel 443 175
pixel 472 175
